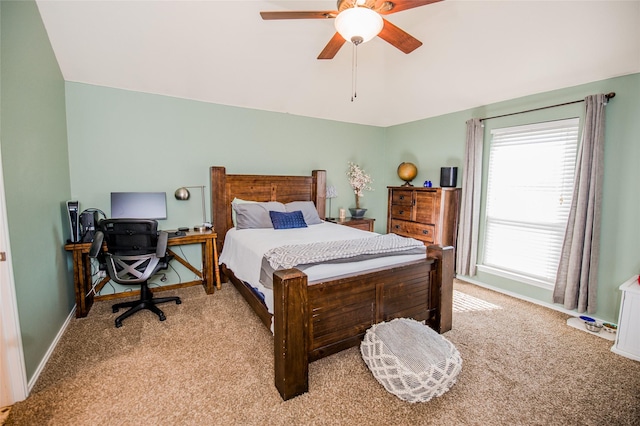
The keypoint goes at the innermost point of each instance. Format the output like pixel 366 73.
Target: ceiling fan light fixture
pixel 358 24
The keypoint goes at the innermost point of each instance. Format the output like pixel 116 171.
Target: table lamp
pixel 331 193
pixel 183 194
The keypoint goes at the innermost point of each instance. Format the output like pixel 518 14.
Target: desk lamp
pixel 183 194
pixel 331 193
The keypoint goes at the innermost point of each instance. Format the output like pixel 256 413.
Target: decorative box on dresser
pixel 426 214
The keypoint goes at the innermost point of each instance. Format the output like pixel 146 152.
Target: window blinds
pixel 529 192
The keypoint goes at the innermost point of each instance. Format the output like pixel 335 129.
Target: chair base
pixel 146 301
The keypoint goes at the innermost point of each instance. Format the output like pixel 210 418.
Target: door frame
pixel 13 377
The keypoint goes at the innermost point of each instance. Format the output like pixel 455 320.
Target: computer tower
pixel 87 226
pixel 89 220
pixel 73 214
pixel 448 177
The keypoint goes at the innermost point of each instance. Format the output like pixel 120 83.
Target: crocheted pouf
pixel 410 360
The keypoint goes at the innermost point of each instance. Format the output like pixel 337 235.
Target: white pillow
pixel 253 214
pixel 308 210
pixel 233 211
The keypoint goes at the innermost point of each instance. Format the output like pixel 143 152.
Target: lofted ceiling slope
pixel 474 53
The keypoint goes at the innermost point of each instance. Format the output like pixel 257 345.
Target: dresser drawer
pixel 365 226
pixel 365 223
pixel 402 198
pixel 418 231
pixel 401 212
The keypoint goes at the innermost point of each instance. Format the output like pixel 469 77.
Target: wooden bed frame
pixel 317 320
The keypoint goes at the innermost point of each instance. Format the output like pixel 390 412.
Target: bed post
pixel 290 333
pixel 319 194
pixel 442 287
pixel 219 206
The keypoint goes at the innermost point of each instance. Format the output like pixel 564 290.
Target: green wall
pixel 129 141
pixel 35 167
pixel 440 141
pixel 110 129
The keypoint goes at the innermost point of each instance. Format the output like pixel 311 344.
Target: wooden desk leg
pixel 216 267
pixel 78 277
pixel 81 279
pixel 207 267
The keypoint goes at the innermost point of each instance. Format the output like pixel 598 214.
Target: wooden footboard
pixel 313 321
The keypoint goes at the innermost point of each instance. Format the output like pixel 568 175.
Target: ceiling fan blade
pixel 317 14
pixel 388 7
pixel 332 47
pixel 399 38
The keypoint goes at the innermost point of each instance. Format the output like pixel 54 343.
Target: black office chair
pixel 134 252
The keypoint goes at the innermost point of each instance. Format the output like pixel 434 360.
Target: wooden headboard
pixel 224 188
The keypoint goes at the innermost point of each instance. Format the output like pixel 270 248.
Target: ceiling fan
pixel 359 21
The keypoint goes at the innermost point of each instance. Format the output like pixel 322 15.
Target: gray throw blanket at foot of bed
pixel 302 256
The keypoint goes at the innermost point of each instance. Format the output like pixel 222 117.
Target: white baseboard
pixel 525 298
pixel 47 355
pixel 629 355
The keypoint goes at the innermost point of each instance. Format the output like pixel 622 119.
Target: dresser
pixel 426 214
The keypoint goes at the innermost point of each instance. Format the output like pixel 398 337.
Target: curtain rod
pixel 608 96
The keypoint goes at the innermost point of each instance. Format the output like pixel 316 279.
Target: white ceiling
pixel 474 53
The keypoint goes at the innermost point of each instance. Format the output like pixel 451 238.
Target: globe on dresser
pixel 407 172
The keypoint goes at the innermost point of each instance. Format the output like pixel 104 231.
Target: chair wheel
pixel 115 310
pixel 178 302
pixel 162 317
pixel 118 324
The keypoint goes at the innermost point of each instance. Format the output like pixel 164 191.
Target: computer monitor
pixel 139 205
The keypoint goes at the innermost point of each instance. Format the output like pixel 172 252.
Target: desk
pixel 82 281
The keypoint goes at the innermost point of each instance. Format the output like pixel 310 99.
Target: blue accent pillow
pixel 287 220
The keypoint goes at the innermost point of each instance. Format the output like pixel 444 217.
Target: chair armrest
pixel 161 247
pixel 96 245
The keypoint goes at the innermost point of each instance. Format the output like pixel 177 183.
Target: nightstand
pixel 364 223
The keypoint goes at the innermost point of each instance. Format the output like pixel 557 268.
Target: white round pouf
pixel 410 360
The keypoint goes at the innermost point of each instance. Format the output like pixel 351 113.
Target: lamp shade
pixel 358 24
pixel 182 194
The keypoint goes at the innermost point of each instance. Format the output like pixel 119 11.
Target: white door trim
pixel 13 377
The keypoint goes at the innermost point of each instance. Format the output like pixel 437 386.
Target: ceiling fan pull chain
pixel 354 72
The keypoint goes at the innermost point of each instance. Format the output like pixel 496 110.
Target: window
pixel 529 192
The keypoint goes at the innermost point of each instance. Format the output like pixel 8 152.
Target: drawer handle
pixel 425 231
pixel 401 212
pixel 401 197
pixel 397 226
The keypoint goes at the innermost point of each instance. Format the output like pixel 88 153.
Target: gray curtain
pixel 577 278
pixel 467 244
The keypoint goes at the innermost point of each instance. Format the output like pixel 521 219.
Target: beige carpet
pixel 210 363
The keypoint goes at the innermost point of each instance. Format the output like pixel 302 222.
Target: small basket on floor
pixel 410 360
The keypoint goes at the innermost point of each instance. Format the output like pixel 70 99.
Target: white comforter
pixel 244 249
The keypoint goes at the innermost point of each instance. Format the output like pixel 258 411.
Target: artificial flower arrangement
pixel 359 181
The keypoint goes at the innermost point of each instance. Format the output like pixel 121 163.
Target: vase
pixel 357 213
